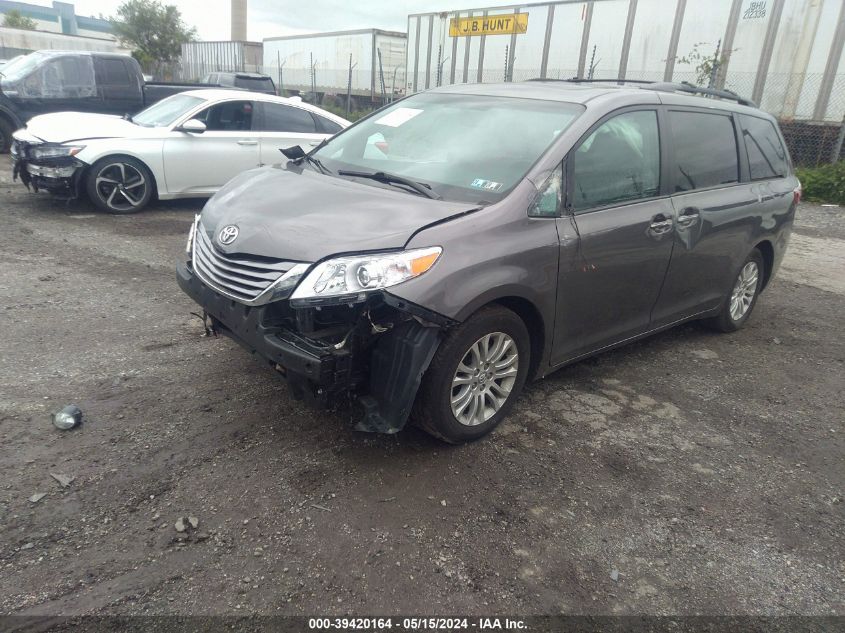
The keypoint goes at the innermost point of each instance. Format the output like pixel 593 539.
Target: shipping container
pixel 201 58
pixel 784 54
pixel 320 62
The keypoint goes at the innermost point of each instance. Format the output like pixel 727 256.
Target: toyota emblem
pixel 227 234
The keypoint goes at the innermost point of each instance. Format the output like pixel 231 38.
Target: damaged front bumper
pixel 373 352
pixel 59 176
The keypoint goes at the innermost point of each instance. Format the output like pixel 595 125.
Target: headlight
pixel 54 151
pixel 351 278
pixel 191 234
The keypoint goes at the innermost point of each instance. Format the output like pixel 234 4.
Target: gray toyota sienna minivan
pixel 428 260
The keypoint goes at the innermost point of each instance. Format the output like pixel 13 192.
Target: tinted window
pixel 282 118
pixel 766 154
pixel 618 162
pixel 329 127
pixel 231 116
pixel 705 150
pixel 258 84
pixel 113 73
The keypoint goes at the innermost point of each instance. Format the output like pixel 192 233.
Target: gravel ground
pixel 691 473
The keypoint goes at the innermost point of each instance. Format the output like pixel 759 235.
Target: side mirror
pixel 548 201
pixel 194 126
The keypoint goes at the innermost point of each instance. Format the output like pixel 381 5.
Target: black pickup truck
pixel 54 81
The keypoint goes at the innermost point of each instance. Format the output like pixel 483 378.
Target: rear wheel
pixel 6 129
pixel 119 184
pixel 475 376
pixel 743 295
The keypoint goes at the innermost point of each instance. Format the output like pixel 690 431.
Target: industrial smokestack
pixel 238 20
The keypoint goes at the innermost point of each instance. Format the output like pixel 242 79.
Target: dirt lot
pixel 690 473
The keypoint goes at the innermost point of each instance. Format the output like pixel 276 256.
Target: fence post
pixel 349 86
pixel 381 79
pixel 837 149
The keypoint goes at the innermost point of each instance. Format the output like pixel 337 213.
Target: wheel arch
pixel 527 310
pixel 768 252
pixel 117 155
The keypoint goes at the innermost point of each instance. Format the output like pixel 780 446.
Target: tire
pixel 455 359
pixel 6 130
pixel 741 299
pixel 119 184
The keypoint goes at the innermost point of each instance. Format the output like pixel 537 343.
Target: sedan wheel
pixel 484 379
pixel 120 185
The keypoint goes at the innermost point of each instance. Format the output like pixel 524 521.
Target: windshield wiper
pixel 392 179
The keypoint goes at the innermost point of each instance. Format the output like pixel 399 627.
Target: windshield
pixel 472 148
pixel 20 67
pixel 167 111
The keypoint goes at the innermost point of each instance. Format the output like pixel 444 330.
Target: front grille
pixel 242 277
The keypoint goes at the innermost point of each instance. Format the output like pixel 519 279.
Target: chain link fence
pixel 790 98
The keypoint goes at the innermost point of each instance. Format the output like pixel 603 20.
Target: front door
pixel 202 163
pixel 617 242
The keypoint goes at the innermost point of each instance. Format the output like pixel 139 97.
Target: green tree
pixel 14 19
pixel 153 31
pixel 705 66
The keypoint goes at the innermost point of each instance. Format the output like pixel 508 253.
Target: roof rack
pixel 667 86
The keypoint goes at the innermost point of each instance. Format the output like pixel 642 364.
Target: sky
pixel 269 18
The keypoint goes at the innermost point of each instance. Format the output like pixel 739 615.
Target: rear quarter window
pixel 705 150
pixel 766 153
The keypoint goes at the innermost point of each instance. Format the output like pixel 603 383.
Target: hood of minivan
pixel 63 127
pixel 297 214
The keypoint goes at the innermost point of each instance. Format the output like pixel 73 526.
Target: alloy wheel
pixel 484 378
pixel 744 290
pixel 121 186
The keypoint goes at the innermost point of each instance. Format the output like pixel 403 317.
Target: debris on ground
pixel 64 480
pixel 68 418
pixel 38 496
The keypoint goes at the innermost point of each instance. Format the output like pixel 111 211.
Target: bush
pixel 823 184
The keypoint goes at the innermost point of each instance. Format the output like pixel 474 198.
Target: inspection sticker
pixel 398 117
pixel 487 185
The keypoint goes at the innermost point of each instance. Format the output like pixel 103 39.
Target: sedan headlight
pixel 351 278
pixel 54 151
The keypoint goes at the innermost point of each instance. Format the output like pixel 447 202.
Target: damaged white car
pixel 188 145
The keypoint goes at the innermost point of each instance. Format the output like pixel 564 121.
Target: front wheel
pixel 119 184
pixel 475 376
pixel 743 296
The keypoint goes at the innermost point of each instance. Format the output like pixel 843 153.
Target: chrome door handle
pixel 246 142
pixel 688 216
pixel 661 224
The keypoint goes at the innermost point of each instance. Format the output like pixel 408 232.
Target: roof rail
pixel 667 86
pixel 579 80
pixel 687 87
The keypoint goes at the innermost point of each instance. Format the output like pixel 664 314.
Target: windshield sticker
pixel 398 117
pixel 487 185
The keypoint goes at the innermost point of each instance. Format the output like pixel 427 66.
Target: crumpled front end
pixel 372 350
pixel 41 166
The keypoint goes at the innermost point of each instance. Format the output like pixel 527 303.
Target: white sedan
pixel 188 145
